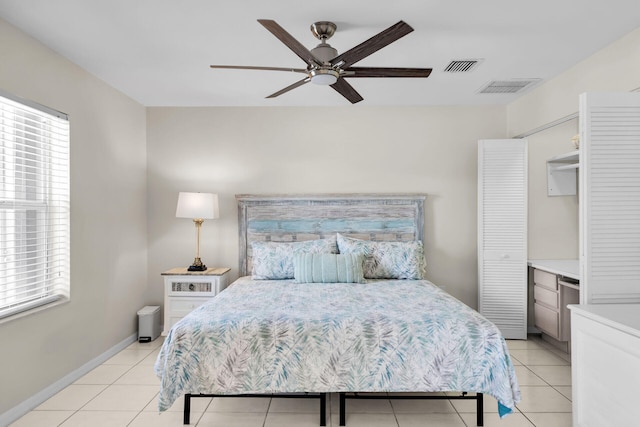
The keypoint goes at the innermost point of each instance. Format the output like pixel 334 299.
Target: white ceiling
pixel 158 51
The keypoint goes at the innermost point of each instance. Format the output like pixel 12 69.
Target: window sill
pixel 20 314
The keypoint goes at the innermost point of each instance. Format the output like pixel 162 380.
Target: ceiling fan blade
pixel 289 41
pixel 375 43
pixel 345 89
pixel 386 72
pixel 290 87
pixel 248 67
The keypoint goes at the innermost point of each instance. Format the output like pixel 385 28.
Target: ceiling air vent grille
pixel 507 86
pixel 462 66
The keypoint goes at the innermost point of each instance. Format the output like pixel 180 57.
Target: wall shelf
pixel 562 174
pixel 570 157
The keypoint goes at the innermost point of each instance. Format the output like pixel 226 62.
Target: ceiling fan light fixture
pixel 324 77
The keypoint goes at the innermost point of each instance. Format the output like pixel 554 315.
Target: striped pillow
pixel 328 268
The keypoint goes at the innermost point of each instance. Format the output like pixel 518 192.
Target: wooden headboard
pixel 291 218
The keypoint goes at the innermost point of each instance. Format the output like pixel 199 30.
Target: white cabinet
pixel 605 364
pixel 502 234
pixel 185 290
pixel 610 197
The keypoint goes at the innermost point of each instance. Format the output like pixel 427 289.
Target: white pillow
pixel 274 260
pixel 387 260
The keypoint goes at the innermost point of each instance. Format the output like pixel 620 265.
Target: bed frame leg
pixel 187 409
pixel 323 409
pixel 479 410
pixel 343 410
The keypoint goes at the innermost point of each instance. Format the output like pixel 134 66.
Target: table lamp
pixel 197 206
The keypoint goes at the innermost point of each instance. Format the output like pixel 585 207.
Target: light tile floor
pixel 123 392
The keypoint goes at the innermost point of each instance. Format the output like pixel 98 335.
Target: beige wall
pixel 108 222
pixel 318 150
pixel 553 221
pixel 614 68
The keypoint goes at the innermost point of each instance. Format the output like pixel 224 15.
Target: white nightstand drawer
pixel 187 286
pixel 180 287
pixel 183 306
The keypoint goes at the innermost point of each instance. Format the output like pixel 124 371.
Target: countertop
pixel 565 267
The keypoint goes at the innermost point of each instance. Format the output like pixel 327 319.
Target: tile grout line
pixel 66 419
pixel 393 411
pixel 266 414
pixel 547 348
pixel 528 419
pixel 139 363
pixel 131 367
pixel 460 415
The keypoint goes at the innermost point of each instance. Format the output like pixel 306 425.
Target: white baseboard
pixel 18 411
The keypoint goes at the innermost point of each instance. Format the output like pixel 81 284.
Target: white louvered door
pixel 502 234
pixel 610 198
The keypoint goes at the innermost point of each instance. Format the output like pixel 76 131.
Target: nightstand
pixel 185 290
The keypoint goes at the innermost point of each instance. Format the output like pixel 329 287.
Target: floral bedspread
pixel 381 336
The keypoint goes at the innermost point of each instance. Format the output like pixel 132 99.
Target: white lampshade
pixel 197 205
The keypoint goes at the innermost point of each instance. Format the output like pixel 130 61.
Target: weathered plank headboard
pixel 290 218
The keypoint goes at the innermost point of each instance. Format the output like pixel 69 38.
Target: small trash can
pixel 148 323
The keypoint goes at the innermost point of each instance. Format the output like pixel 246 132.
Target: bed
pixel 329 329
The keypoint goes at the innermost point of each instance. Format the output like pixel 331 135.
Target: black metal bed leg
pixel 187 409
pixel 323 409
pixel 343 409
pixel 479 409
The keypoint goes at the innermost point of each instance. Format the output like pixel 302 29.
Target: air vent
pixel 462 66
pixel 507 86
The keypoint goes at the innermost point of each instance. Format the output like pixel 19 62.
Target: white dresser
pixel 185 290
pixel 605 364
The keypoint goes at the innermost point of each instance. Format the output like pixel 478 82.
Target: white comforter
pixel 382 336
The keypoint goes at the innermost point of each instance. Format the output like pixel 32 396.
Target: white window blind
pixel 34 206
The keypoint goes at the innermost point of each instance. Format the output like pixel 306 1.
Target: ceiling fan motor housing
pixel 324 52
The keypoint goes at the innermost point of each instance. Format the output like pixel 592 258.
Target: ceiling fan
pixel 326 67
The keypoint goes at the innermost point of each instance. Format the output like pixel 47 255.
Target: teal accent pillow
pixel 274 260
pixel 387 260
pixel 328 268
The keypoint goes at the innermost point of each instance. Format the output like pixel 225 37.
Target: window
pixel 34 206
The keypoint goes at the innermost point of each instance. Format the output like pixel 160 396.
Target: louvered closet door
pixel 610 198
pixel 502 234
